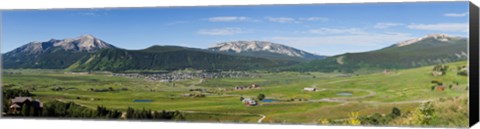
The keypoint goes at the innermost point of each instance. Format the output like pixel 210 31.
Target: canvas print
pixel 370 64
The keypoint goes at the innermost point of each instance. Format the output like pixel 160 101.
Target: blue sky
pixel 325 29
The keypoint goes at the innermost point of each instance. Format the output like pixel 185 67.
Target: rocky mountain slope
pixel 264 49
pixel 427 50
pixel 53 54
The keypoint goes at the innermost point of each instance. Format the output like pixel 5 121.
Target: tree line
pixel 12 93
pixel 59 109
pixel 155 115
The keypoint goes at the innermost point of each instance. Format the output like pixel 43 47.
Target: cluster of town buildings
pixel 253 86
pixel 179 76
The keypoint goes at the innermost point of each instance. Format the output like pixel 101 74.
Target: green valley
pixel 368 94
pixel 418 82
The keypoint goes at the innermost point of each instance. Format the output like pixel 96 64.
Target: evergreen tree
pixel 261 97
pixel 25 110
pixel 130 112
pixel 396 112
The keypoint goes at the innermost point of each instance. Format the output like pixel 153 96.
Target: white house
pixel 249 102
pixel 309 89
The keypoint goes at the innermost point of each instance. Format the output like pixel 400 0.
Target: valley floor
pixel 335 98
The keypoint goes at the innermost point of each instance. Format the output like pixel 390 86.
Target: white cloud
pixel 221 31
pixel 336 31
pixel 282 19
pixel 347 43
pixel 89 14
pixel 384 25
pixel 177 22
pixel 295 20
pixel 93 12
pixel 450 27
pixel 360 39
pixel 314 19
pixel 227 19
pixel 456 14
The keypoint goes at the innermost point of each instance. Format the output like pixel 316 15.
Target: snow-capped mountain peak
pixel 439 37
pixel 87 43
pixel 257 46
pixel 261 46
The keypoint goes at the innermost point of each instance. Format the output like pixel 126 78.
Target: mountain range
pixel 265 49
pixel 53 54
pixel 88 53
pixel 170 58
pixel 428 50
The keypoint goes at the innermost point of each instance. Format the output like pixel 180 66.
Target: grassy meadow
pixel 373 93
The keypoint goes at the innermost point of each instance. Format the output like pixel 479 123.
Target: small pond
pixel 269 100
pixel 142 100
pixel 344 93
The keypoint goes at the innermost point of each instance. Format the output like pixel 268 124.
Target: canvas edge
pixel 474 64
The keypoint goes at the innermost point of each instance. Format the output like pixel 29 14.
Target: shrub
pixel 324 121
pixel 353 119
pixel 396 112
pixel 378 119
pixel 441 68
pixel 427 113
pixel 261 97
